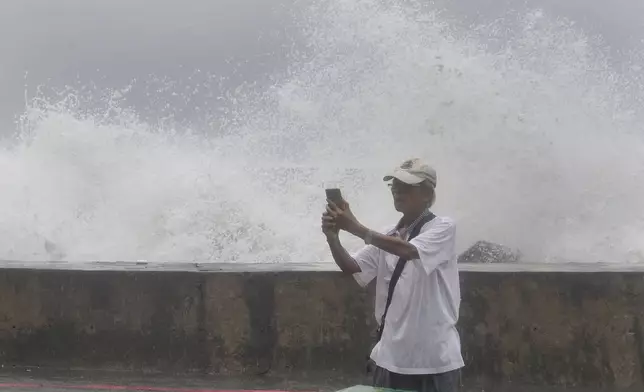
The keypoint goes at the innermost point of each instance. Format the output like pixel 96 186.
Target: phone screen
pixel 335 196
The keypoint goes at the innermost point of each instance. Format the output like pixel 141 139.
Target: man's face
pixel 408 198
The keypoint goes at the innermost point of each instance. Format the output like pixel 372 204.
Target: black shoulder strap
pixel 400 265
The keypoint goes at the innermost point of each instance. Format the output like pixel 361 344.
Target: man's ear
pixel 431 196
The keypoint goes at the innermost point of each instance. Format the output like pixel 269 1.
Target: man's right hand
pixel 328 226
pixel 346 263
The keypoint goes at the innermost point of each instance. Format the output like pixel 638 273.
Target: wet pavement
pixel 37 380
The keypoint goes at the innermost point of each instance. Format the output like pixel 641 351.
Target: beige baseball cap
pixel 413 171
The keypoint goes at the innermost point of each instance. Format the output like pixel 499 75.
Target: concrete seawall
pixel 549 325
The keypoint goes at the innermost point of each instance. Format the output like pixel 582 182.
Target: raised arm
pixel 344 218
pixel 393 245
pixel 341 257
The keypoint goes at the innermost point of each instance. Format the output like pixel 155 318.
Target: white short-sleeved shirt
pixel 420 335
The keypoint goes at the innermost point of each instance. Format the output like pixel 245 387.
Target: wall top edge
pixel 304 267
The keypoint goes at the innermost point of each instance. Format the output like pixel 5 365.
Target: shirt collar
pixel 411 227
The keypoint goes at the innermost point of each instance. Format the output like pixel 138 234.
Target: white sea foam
pixel 538 145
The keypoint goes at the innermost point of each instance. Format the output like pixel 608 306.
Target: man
pixel 419 347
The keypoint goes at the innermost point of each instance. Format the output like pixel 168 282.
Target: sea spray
pixel 538 144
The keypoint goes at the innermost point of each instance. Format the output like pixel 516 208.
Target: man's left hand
pixel 343 217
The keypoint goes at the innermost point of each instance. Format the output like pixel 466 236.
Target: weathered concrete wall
pixel 554 328
pixel 228 323
pixel 518 328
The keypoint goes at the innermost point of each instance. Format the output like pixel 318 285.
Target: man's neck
pixel 409 218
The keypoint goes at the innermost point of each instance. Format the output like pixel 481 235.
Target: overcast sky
pixel 125 39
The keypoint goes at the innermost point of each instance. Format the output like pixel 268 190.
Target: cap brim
pixel 404 176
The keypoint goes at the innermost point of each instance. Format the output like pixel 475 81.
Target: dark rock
pixel 488 252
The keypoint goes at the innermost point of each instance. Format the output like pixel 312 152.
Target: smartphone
pixel 335 196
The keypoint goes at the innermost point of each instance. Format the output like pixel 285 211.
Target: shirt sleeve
pixel 367 259
pixel 435 245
